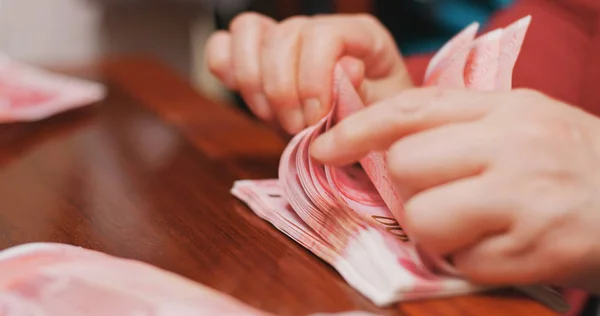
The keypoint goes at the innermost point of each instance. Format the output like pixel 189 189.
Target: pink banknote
pixel 349 216
pixel 30 94
pixel 50 279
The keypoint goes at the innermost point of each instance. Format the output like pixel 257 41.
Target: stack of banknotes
pixel 348 216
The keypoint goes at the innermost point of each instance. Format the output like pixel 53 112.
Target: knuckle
pixel 368 19
pixel 278 92
pixel 244 20
pixel 271 42
pixel 546 192
pixel 271 33
pixel 247 79
pixel 527 94
pixel 515 245
pixel 294 21
pixel 216 60
pixel 320 30
pixel 528 101
pixel 564 255
pixel 414 105
pixel 220 73
pixel 380 43
pixel 398 165
pixel 273 38
pixel 436 94
pixel 344 133
pixel 310 88
pixel 550 130
pixel 535 132
pixel 216 64
pixel 275 35
pixel 417 220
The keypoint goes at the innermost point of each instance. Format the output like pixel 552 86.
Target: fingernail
pixel 312 111
pixel 293 120
pixel 321 145
pixel 261 106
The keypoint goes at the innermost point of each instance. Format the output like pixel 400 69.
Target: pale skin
pixel 284 71
pixel 506 184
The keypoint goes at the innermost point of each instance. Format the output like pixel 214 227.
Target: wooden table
pixel 146 174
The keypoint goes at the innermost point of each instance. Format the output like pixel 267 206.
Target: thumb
pixel 354 69
pixel 376 90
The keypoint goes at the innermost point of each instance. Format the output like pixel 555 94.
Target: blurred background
pixel 73 32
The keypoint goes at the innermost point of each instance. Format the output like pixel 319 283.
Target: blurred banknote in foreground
pixel 50 279
pixel 349 216
pixel 31 94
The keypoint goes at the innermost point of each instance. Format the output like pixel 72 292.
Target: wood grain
pixel 146 173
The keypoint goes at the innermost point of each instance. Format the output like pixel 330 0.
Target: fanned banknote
pixel 349 216
pixel 51 279
pixel 28 93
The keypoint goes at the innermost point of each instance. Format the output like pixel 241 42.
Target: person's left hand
pixel 507 184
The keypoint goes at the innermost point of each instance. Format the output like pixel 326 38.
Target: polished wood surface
pixel 146 173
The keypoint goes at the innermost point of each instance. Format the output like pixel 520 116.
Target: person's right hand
pixel 284 71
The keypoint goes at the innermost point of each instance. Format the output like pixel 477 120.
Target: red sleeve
pixel 556 49
pixel 416 67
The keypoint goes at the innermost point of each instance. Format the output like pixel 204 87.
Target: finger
pixel 219 59
pixel 453 216
pixel 438 156
pixel 247 32
pixel 325 41
pixel 494 260
pixel 354 69
pixel 378 126
pixel 278 64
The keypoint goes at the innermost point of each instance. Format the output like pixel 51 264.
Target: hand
pixel 284 71
pixel 506 184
